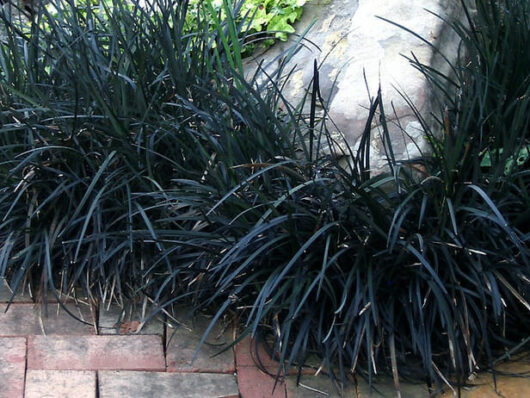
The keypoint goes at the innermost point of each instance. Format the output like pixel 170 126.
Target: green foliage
pixel 271 16
pixel 274 17
pixel 136 160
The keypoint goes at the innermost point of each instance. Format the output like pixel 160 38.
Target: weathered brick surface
pixel 384 387
pixel 12 363
pixel 135 352
pixel 60 383
pixel 156 384
pixel 317 387
pixel 253 383
pixel 321 385
pixel 182 344
pixel 117 320
pixel 508 387
pixel 246 355
pixel 483 386
pixel 6 293
pixel 23 296
pixel 24 319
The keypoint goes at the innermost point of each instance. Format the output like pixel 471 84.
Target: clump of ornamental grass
pixel 136 160
pixel 424 277
pixel 100 113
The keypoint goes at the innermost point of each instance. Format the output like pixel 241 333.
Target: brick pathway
pixel 58 356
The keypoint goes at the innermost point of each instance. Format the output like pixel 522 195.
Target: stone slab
pixel 24 319
pixel 183 342
pixel 134 352
pixel 128 320
pixel 358 53
pixel 253 383
pixel 156 384
pixel 60 383
pixel 12 365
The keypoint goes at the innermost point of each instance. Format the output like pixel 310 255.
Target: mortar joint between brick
pixel 97 384
pixel 25 367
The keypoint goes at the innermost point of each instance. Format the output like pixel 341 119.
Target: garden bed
pixel 138 164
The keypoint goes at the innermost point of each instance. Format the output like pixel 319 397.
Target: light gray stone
pixel 357 52
pixel 13 10
pixel 157 384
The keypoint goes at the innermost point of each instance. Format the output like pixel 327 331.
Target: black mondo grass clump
pixel 136 161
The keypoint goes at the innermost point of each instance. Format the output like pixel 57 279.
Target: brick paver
pixel 70 360
pixel 253 383
pixel 12 364
pixel 384 387
pixel 514 387
pixel 6 294
pixel 60 383
pixel 508 385
pixel 134 352
pixel 117 320
pixel 317 387
pixel 24 319
pixel 245 353
pixel 154 384
pixel 182 344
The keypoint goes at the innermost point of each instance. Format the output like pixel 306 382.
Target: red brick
pixel 25 319
pixel 245 353
pixel 12 364
pixel 60 383
pixel 253 383
pixel 182 344
pixel 135 352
